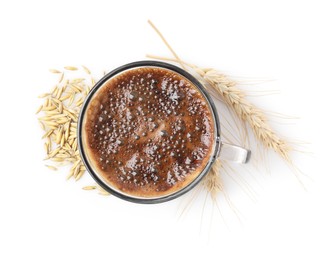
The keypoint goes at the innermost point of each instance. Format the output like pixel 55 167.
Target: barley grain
pixel 43 95
pixel 39 109
pixel 86 70
pixel 89 187
pixel 42 125
pixel 53 168
pixel 54 71
pixel 61 77
pixel 70 68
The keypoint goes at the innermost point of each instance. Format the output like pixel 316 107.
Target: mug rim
pixel 196 83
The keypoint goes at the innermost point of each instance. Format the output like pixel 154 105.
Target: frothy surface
pixel 148 132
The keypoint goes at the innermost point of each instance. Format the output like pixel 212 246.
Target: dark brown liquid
pixel 148 132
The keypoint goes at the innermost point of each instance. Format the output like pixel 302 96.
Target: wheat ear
pixel 235 98
pixel 246 111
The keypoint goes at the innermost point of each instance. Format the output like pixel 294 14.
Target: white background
pixel 44 217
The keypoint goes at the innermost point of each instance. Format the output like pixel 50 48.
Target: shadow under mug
pixel 224 151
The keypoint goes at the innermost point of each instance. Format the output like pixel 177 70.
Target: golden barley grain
pixel 54 152
pixel 71 100
pixel 75 88
pixel 53 117
pixel 54 90
pixel 54 71
pixel 47 134
pixel 53 135
pixel 44 118
pixel 61 77
pixel 59 135
pixel 55 101
pixel 49 142
pixel 43 95
pixel 60 108
pixel 51 167
pixel 59 93
pixel 76 170
pixel 70 174
pixel 72 116
pixel 80 102
pixel 79 175
pixel 62 121
pixel 70 141
pixel 76 163
pixel 78 80
pixel 66 133
pixel 89 187
pixel 42 125
pixel 61 155
pixel 70 68
pixel 74 146
pixel 46 148
pixel 57 159
pixel 62 141
pixel 49 108
pixel 51 112
pixel 39 109
pixel 67 146
pixel 51 123
pixel 86 70
pixel 46 102
pixel 63 98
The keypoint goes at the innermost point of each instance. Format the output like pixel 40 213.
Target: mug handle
pixel 234 153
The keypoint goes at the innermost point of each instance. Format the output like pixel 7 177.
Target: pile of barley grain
pixel 59 117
